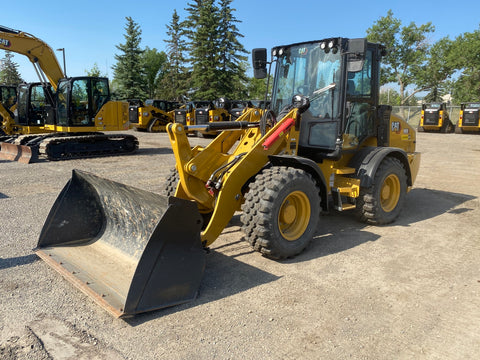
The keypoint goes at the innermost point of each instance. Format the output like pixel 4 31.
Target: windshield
pixel 308 70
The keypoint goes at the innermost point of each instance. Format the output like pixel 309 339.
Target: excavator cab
pixel 35 106
pixel 8 96
pixel 8 99
pixel 79 99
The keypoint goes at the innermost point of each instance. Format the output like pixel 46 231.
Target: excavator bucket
pixel 20 153
pixel 132 251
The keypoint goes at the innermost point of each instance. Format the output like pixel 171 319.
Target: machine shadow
pixel 340 231
pixel 337 232
pixel 3 196
pixel 224 276
pixel 154 151
pixel 18 261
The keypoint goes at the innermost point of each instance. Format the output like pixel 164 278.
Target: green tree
pixel 94 71
pixel 232 61
pixel 173 85
pixel 9 74
pixel 203 36
pixel 389 96
pixel 155 65
pixel 129 70
pixel 466 57
pixel 407 49
pixel 434 74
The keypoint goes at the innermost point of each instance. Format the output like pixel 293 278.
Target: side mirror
pixel 259 62
pixel 356 54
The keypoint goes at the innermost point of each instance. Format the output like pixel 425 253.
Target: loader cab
pixel 79 99
pixel 34 105
pixel 338 80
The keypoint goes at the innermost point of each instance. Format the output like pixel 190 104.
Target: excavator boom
pixel 38 52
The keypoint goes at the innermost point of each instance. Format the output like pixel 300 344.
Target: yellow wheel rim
pixel 294 215
pixel 390 193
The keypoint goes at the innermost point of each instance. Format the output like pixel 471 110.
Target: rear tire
pixel 281 212
pixel 383 201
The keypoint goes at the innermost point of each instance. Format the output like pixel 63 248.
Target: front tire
pixel 383 201
pixel 281 212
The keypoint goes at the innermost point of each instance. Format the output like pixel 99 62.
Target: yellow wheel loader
pixel 469 119
pixel 325 142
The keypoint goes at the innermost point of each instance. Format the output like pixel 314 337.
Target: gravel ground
pixel 407 290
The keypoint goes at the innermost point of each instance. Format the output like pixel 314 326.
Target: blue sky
pixel 89 30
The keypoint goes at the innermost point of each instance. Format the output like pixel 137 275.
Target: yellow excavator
pixel 73 114
pixel 325 142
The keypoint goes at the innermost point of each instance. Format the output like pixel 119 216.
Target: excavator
pixel 72 116
pixel 325 143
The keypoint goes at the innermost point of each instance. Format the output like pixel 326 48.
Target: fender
pixel 367 161
pixel 309 166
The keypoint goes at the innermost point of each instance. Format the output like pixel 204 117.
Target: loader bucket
pixel 21 153
pixel 132 251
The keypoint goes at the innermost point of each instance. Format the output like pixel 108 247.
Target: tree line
pixel 205 59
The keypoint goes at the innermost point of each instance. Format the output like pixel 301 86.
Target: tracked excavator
pixel 71 119
pixel 324 143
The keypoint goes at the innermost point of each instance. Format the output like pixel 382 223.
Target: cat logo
pixel 302 51
pixel 396 126
pixel 5 42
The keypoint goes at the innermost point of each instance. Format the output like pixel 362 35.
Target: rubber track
pixel 114 141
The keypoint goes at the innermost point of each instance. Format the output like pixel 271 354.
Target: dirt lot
pixel 408 290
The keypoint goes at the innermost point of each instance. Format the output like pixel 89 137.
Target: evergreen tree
pixel 94 71
pixel 173 85
pixel 129 70
pixel 202 24
pixel 9 74
pixel 232 80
